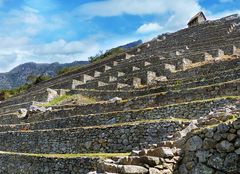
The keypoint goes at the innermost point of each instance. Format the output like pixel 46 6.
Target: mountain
pixel 17 76
pixel 131 45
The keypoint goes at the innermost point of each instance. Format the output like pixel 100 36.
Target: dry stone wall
pixel 204 147
pixel 73 118
pixel 23 164
pixel 79 140
pixel 214 150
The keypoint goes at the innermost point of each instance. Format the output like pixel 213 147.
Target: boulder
pixel 224 146
pixel 151 161
pixel 231 163
pixel 202 169
pixel 35 109
pixel 202 155
pixel 237 142
pixel 194 143
pixel 223 128
pixel 209 143
pixel 51 94
pixel 236 124
pixel 161 152
pixel 115 99
pixel 22 113
pixel 189 128
pixel 130 160
pixel 132 169
pixel 182 169
pixel 237 151
pixel 216 161
pixel 154 171
pixel 110 167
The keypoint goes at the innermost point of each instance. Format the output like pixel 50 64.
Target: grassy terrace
pixel 142 109
pixel 138 122
pixel 176 91
pixel 66 98
pixel 79 155
pixel 229 121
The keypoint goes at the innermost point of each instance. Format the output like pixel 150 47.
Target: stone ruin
pixel 170 105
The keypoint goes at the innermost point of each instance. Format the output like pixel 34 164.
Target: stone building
pixel 197 19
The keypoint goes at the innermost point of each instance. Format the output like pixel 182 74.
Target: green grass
pixel 56 100
pixel 66 98
pixel 90 155
pixel 231 119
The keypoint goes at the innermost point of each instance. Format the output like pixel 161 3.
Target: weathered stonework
pixel 173 102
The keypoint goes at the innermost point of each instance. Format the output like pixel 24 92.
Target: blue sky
pixel 68 30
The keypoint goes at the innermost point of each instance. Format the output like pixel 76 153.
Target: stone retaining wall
pixel 14 108
pixel 170 97
pixel 23 164
pixel 214 150
pixel 206 69
pixel 40 96
pixel 79 140
pixel 53 120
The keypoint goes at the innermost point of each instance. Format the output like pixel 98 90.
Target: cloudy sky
pixel 69 30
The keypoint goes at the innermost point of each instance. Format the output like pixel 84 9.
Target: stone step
pixel 229 88
pixel 212 67
pixel 92 85
pixel 188 40
pixel 154 82
pixel 205 145
pixel 197 71
pixel 178 84
pixel 58 79
pixel 203 46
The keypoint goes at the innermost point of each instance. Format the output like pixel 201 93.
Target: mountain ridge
pixel 18 75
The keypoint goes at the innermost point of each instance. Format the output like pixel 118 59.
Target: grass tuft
pixel 90 155
pixel 68 99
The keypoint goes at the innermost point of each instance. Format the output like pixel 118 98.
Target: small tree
pixel 101 55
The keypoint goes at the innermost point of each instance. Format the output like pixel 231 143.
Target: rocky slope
pixel 19 74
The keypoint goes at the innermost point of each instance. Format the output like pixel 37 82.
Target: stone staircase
pixel 162 86
pixel 199 148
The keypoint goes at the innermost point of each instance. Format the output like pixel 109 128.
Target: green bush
pixel 6 93
pixel 101 55
pixel 68 69
pixel 31 80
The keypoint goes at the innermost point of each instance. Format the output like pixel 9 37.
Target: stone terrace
pixel 162 86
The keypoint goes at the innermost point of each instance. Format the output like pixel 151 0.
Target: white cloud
pixel 135 7
pixel 29 22
pixel 23 16
pixel 17 51
pixel 115 8
pixel 172 15
pixel 149 28
pixel 61 47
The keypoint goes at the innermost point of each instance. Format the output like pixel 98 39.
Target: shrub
pixel 68 69
pixel 31 80
pixel 101 55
